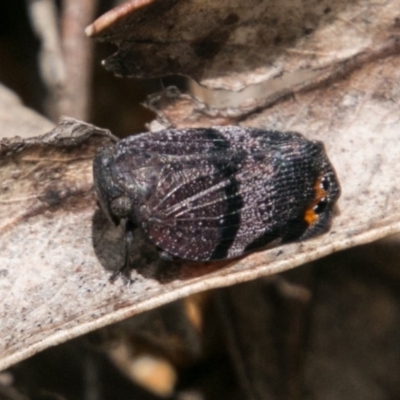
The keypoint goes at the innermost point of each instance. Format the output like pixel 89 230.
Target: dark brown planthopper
pixel 215 193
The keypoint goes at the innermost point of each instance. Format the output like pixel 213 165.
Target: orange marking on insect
pixel 310 216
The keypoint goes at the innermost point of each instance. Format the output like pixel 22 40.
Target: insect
pixel 217 193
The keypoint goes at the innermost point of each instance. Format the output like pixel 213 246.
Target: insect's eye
pixel 320 207
pixel 325 184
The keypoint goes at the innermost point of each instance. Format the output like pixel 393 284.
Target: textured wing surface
pixel 222 192
pixel 194 208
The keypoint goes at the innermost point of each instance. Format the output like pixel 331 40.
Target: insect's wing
pixel 208 213
pixel 213 194
pixel 194 208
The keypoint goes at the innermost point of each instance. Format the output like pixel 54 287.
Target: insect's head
pixel 113 201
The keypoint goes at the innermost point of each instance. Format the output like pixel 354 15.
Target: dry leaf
pixel 57 249
pixel 248 53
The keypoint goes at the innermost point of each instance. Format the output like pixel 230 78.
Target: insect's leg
pixel 126 267
pixel 165 256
